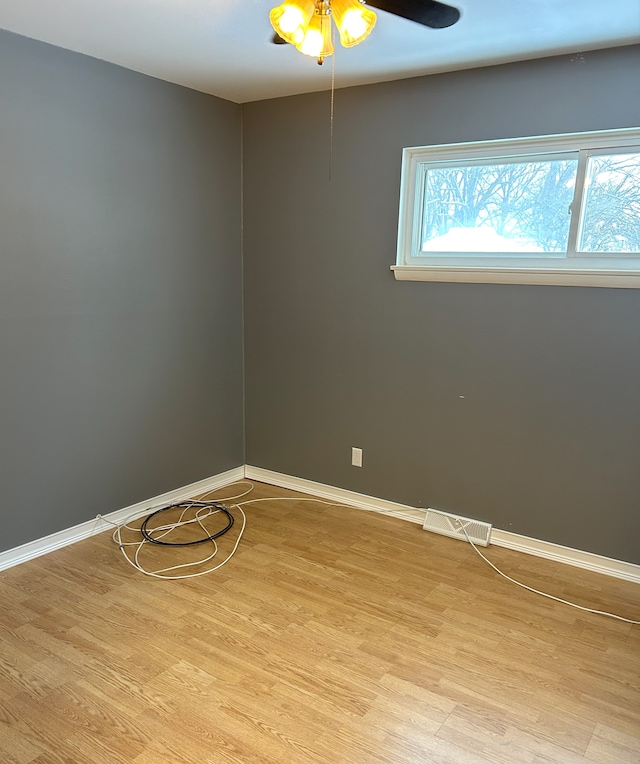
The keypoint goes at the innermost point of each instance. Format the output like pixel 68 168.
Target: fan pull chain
pixel 333 88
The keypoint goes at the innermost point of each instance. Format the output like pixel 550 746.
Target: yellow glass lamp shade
pixel 317 40
pixel 354 21
pixel 291 19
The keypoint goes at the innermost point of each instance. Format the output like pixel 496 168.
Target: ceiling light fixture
pixel 307 24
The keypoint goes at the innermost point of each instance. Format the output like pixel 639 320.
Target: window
pixel 552 210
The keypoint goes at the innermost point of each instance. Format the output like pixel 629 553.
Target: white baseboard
pixel 340 495
pixel 576 557
pixel 69 536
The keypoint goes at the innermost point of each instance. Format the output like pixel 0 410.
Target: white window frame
pixel 570 269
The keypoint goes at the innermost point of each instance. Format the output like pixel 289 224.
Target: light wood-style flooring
pixel 334 635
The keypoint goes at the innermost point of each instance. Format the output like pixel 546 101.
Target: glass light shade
pixel 354 21
pixel 317 40
pixel 291 19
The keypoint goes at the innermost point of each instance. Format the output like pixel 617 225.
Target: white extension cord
pixel 204 512
pixel 164 530
pixel 537 591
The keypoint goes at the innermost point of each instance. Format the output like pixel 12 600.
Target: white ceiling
pixel 223 47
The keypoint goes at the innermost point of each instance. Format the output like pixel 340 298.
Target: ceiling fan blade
pixel 427 12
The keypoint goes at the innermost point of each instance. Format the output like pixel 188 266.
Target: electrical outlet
pixel 356 457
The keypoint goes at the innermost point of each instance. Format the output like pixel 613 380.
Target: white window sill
pixel 629 279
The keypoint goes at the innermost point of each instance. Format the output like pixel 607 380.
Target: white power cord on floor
pixel 200 516
pixel 537 591
pixel 204 512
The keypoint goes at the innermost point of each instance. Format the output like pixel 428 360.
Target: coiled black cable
pixel 186 505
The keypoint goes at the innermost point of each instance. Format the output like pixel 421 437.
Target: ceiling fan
pixel 307 23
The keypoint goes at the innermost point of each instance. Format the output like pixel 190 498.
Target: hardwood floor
pixel 334 635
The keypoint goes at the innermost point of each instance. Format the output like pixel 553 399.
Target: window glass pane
pixel 611 209
pixel 502 207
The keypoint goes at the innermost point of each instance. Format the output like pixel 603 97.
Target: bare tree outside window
pixel 525 203
pixel 524 206
pixel 611 215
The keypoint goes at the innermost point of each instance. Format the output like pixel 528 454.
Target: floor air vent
pixel 451 525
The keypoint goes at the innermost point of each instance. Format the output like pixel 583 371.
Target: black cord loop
pixel 185 505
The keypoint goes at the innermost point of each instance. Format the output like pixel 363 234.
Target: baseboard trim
pixel 68 536
pixel 340 495
pixel 626 571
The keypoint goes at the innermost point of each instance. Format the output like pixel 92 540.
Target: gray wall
pixel 120 288
pixel 121 312
pixel 546 441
